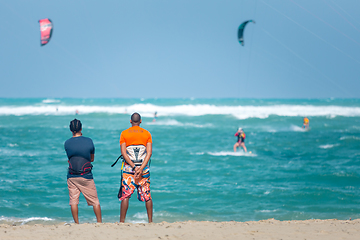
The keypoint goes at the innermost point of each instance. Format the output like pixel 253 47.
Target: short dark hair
pixel 135 117
pixel 75 125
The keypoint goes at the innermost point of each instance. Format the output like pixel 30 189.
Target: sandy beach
pixel 265 229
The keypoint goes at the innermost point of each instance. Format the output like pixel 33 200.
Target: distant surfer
pixel 306 123
pixel 80 152
pixel 241 139
pixel 155 117
pixel 77 112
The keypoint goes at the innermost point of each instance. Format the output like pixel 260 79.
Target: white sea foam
pixel 12 145
pixel 297 128
pixel 266 211
pixel 198 153
pixel 22 221
pixel 224 153
pixel 14 152
pixel 147 110
pixel 140 217
pixel 167 122
pixel 326 146
pixel 50 101
pixel 350 137
pixel 173 122
pixel 7 181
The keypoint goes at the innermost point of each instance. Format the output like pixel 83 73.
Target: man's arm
pixel 139 170
pixel 148 155
pixel 92 157
pixel 125 156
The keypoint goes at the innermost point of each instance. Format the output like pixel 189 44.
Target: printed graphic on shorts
pixel 129 184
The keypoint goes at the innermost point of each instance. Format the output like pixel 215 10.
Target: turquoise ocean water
pixel 291 174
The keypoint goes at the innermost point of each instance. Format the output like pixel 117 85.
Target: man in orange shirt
pixel 136 148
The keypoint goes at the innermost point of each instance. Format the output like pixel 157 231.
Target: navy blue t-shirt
pixel 79 150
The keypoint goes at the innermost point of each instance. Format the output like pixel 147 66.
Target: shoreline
pixel 263 229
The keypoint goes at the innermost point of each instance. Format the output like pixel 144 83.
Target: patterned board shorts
pixel 129 184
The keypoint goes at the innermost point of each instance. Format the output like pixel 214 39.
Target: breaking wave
pixel 148 110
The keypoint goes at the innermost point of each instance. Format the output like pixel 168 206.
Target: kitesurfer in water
pixel 306 123
pixel 136 148
pixel 80 151
pixel 241 140
pixel 155 117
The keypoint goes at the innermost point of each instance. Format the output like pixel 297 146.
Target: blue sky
pixel 181 49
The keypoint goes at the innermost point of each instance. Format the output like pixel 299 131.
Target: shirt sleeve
pixel 122 139
pixel 65 147
pixel 92 150
pixel 150 138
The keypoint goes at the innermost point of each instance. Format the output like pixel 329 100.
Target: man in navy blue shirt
pixel 80 151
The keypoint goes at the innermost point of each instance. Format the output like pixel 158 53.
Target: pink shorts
pixel 86 186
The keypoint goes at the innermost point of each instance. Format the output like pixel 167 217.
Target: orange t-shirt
pixel 135 136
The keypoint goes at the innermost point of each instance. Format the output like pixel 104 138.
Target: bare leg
pixel 243 145
pixel 235 146
pixel 97 211
pixel 149 209
pixel 75 213
pixel 123 209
